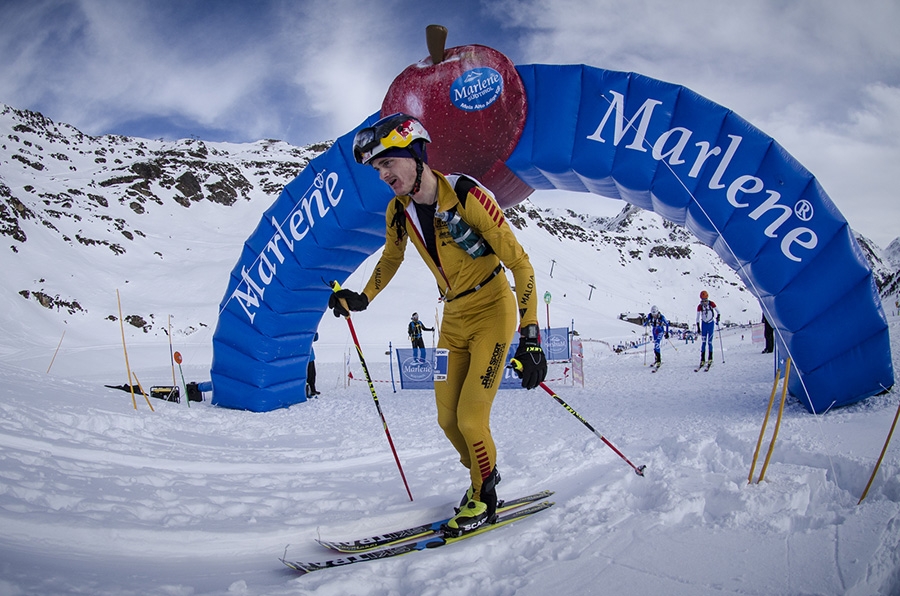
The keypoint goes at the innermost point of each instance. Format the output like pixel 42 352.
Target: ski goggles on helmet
pixel 397 131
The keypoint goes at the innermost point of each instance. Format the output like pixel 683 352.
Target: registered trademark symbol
pixel 803 210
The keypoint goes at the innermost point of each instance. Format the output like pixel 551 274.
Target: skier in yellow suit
pixel 462 235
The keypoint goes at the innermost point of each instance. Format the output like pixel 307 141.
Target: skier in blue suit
pixel 659 327
pixel 707 319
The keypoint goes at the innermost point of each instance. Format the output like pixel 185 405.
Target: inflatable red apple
pixel 472 101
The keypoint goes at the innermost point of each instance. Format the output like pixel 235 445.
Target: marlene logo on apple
pixel 476 89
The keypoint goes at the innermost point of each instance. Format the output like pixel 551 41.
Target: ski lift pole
pixel 639 470
pixel 335 286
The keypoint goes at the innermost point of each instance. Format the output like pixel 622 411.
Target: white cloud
pixel 822 78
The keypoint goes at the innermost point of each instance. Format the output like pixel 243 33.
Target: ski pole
pixel 177 357
pixel 335 286
pixel 639 470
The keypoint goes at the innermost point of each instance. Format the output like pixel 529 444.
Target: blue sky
pixel 822 78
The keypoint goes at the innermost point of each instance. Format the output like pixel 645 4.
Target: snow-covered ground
pixel 97 497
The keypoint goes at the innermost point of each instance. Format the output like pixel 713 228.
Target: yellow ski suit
pixel 480 311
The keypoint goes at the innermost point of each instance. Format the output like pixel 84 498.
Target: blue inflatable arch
pixel 656 145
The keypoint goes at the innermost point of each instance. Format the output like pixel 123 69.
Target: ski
pixel 699 367
pixel 708 364
pixel 418 532
pixel 434 541
pixel 655 367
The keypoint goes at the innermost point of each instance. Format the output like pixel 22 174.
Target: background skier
pixel 659 327
pixel 463 237
pixel 707 318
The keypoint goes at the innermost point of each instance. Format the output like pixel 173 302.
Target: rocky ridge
pixel 82 204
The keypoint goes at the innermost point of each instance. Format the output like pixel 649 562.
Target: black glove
pixel 698 327
pixel 354 302
pixel 717 319
pixel 534 364
pixel 667 335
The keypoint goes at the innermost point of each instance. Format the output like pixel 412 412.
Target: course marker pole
pixel 787 372
pixel 880 457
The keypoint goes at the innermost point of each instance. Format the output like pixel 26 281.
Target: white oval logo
pixel 476 89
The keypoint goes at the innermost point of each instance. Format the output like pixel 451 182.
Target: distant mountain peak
pixel 83 216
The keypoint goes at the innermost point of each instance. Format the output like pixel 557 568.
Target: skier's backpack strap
pixel 398 221
pixel 469 240
pixel 463 185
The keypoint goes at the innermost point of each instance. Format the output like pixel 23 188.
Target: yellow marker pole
pixel 880 457
pixel 56 352
pixel 787 372
pixel 127 366
pixel 762 431
pixel 144 393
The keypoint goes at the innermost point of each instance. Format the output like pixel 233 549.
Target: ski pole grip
pixel 335 287
pixel 515 364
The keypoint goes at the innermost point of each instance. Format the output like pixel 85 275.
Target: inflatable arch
pixel 656 145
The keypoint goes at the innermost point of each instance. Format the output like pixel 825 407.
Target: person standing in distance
pixel 707 318
pixel 415 329
pixel 311 390
pixel 462 236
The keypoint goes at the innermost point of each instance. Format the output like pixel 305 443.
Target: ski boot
pixel 473 515
pixel 470 492
pixel 475 512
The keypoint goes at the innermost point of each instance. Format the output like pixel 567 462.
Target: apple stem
pixel 435 38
